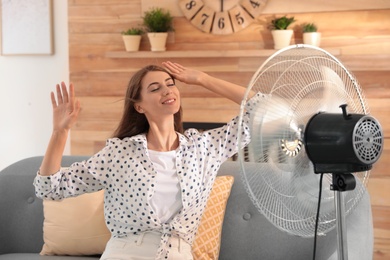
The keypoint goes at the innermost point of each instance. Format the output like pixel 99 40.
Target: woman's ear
pixel 138 108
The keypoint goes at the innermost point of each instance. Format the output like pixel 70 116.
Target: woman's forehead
pixel 155 76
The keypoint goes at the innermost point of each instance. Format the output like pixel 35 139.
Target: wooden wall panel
pixel 359 39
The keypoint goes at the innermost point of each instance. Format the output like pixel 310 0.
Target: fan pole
pixel 340 183
pixel 342 245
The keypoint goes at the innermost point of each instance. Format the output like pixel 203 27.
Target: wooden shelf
pixel 191 54
pixel 198 54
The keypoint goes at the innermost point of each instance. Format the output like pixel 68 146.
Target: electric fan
pixel 312 119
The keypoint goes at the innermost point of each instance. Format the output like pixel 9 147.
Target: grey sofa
pixel 246 234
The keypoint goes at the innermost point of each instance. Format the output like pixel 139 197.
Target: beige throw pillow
pixel 75 226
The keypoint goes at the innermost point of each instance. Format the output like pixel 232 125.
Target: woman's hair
pixel 133 122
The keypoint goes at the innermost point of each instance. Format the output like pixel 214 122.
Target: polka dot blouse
pixel 124 170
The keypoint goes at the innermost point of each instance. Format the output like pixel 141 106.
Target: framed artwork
pixel 26 27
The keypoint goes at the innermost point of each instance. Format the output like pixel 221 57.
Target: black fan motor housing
pixel 332 144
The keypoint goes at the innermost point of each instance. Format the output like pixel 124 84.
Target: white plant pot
pixel 131 42
pixel 312 38
pixel 282 38
pixel 158 41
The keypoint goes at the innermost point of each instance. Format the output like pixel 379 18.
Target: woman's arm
pixel 189 76
pixel 65 111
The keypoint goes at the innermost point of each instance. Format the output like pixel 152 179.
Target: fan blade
pixel 334 91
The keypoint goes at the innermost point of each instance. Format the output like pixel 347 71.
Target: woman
pixel 156 179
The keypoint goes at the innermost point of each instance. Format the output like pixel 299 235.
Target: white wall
pixel 25 85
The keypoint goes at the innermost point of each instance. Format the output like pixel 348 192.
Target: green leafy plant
pixel 281 23
pixel 133 31
pixel 309 27
pixel 158 20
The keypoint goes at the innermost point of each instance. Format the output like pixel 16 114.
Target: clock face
pixel 221 16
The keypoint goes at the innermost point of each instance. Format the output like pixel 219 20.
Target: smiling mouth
pixel 169 101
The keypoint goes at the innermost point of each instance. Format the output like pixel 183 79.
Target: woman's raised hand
pixel 221 87
pixel 186 75
pixel 65 107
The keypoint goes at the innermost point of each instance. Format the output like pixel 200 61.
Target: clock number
pixel 205 17
pixel 190 7
pixel 221 23
pixel 240 20
pixel 253 7
pixel 254 4
pixel 191 4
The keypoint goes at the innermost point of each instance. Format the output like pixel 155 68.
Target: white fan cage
pixel 298 82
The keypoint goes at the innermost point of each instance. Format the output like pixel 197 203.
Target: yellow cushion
pixel 208 238
pixel 75 226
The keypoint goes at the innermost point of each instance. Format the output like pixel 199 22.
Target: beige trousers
pixel 144 247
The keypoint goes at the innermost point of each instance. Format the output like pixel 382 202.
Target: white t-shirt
pixel 166 200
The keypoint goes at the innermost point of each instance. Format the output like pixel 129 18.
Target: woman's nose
pixel 167 91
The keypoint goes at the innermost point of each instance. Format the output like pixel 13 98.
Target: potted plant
pixel 132 38
pixel 310 34
pixel 280 32
pixel 158 22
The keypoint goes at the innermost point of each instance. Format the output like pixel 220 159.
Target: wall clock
pixel 221 16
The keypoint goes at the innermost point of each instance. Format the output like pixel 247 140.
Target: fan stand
pixel 340 183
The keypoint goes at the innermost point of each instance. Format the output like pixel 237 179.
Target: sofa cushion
pixel 75 226
pixel 208 238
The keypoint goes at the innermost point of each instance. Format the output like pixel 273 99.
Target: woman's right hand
pixel 190 76
pixel 184 74
pixel 65 107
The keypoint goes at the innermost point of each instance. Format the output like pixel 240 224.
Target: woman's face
pixel 159 96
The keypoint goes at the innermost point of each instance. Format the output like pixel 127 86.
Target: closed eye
pixel 155 89
pixel 170 82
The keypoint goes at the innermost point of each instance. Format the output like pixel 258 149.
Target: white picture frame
pixel 26 27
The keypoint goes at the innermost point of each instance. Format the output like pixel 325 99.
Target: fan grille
pixel 300 81
pixel 367 140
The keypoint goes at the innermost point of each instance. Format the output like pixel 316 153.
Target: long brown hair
pixel 133 122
